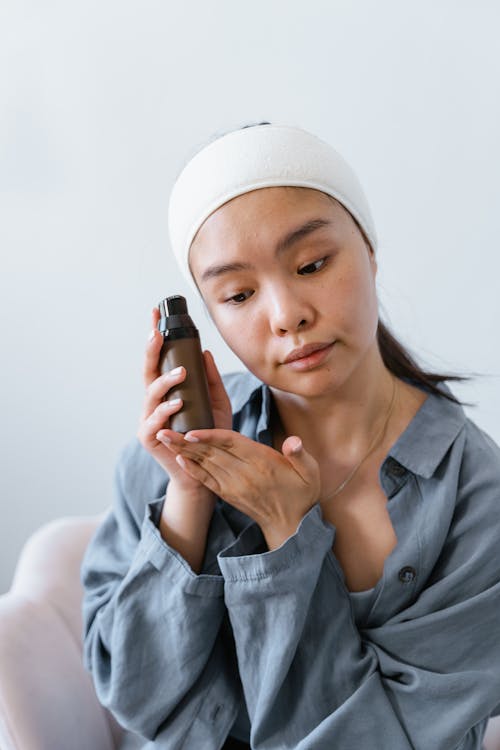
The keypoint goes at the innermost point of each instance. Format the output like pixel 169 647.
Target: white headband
pixel 258 157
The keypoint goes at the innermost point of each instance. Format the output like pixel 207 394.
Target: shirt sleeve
pixel 154 635
pixel 427 678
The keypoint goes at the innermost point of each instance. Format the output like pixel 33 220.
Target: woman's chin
pixel 313 384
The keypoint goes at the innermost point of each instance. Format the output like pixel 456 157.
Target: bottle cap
pixel 175 321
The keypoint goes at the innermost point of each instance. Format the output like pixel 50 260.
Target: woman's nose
pixel 288 312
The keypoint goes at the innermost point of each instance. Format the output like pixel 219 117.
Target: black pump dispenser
pixel 176 305
pixel 175 321
pixel 181 346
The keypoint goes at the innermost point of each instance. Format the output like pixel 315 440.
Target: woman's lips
pixel 313 359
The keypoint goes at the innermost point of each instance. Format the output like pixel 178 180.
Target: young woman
pixel 321 569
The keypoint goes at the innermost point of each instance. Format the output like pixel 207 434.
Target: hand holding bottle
pixel 188 507
pixel 157 412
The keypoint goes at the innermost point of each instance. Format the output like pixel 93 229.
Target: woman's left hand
pixel 274 489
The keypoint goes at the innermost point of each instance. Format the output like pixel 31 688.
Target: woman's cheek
pixel 236 330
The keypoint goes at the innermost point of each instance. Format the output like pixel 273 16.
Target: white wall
pixel 101 103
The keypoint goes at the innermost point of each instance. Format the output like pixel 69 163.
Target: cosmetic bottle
pixel 181 346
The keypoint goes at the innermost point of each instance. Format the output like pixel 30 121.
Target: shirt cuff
pixel 168 561
pixel 314 536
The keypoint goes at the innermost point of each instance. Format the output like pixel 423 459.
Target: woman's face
pixel 270 292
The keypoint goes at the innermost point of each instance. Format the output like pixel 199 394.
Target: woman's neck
pixel 341 423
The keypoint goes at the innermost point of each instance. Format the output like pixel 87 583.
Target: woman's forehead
pixel 270 204
pixel 260 220
pixel 282 195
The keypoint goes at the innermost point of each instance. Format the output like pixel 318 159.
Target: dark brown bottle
pixel 181 346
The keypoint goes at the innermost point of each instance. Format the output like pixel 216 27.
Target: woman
pixel 320 570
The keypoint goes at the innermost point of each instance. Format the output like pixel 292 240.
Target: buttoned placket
pixel 396 588
pixel 396 582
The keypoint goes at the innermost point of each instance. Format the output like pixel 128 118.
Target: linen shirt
pixel 270 646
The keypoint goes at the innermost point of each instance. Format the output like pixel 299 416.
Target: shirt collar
pixel 420 448
pixel 431 432
pixel 241 387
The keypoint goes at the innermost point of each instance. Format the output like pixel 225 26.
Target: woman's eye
pixel 237 299
pixel 312 267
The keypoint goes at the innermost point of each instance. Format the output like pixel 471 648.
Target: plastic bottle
pixel 181 346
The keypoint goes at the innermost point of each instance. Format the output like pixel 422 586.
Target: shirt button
pixel 216 711
pixel 407 574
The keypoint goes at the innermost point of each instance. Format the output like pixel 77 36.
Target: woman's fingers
pixel 266 484
pixel 214 379
pixel 219 400
pixel 302 461
pixel 150 368
pixel 233 452
pixel 158 407
pixel 157 384
pixel 157 411
pixel 225 453
pixel 220 455
pixel 227 440
pixel 159 388
pixel 200 473
pixel 213 467
pixel 153 422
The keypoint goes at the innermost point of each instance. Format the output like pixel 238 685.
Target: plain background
pixel 101 103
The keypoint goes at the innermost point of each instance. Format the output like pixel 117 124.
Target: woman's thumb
pixel 292 446
pixel 302 461
pixel 214 380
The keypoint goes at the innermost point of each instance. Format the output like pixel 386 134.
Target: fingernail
pixel 176 370
pixel 180 461
pixel 163 438
pixel 297 445
pixel 191 438
pixel 152 334
pixel 173 402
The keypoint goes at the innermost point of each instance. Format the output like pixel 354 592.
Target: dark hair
pixel 402 364
pixel 399 361
pixel 395 356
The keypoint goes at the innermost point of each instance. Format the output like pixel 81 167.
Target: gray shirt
pixel 270 646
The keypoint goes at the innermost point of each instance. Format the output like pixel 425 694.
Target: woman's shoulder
pixel 480 467
pixel 480 443
pixel 475 466
pixel 460 524
pixel 475 527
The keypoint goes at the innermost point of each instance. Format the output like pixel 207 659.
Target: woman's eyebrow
pixel 283 244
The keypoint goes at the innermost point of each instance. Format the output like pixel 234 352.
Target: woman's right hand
pixel 157 412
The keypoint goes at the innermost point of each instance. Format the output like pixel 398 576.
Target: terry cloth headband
pixel 258 157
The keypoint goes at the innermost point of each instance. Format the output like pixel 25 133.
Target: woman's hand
pixel 275 489
pixel 157 412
